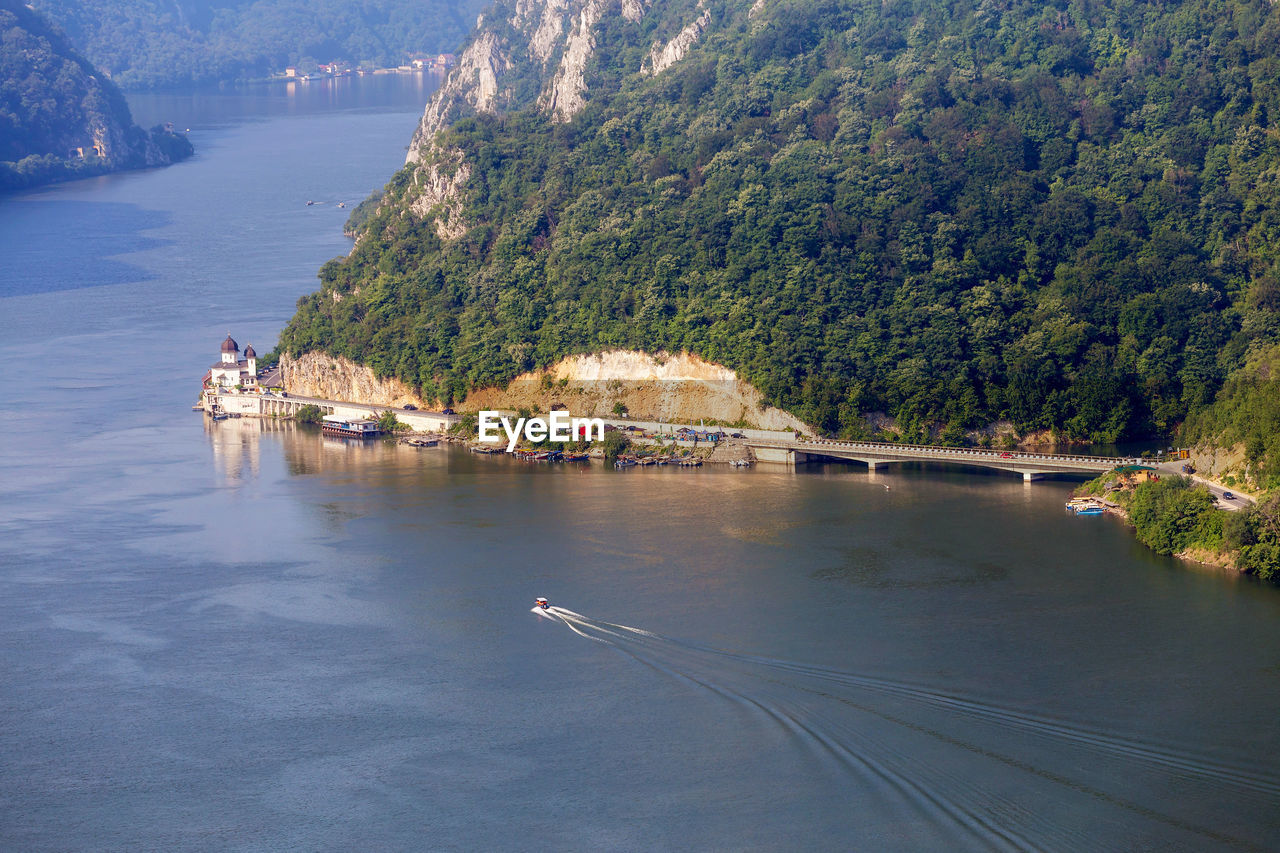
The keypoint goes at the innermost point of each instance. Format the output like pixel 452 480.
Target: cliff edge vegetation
pixel 59 117
pixel 1060 215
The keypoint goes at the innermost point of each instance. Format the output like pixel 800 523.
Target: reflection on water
pixel 236 442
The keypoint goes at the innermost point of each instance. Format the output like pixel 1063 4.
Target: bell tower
pixel 230 351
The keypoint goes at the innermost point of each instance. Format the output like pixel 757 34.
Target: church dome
pixel 248 351
pixel 230 345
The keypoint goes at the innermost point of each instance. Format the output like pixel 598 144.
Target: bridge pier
pixel 1029 476
pixel 781 455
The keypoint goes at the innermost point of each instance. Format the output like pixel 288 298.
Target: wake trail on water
pixel 813 704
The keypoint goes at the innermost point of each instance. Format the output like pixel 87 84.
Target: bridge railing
pixel 887 448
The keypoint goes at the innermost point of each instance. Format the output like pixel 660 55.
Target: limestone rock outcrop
pixel 545 47
pixel 316 374
pixel 662 57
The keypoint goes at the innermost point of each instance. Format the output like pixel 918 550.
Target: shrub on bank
pixel 388 422
pixel 467 428
pixel 1172 515
pixel 1254 534
pixel 615 444
pixel 309 414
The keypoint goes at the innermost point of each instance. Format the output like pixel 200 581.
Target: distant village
pixel 438 62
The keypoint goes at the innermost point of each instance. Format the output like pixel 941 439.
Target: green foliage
pixel 59 118
pixel 1255 534
pixel 953 213
pixel 388 422
pixel 361 215
pixel 309 414
pixel 615 444
pixel 1171 515
pixel 1246 414
pixel 172 146
pixel 468 427
pixel 146 44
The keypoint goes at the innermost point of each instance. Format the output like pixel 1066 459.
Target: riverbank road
pixel 1235 503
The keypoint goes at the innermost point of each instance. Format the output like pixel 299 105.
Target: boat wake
pixel 923 745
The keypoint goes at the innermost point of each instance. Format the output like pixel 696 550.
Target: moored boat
pixel 350 427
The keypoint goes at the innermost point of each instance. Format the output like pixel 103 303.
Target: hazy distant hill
pixel 158 43
pixel 1067 216
pixel 59 118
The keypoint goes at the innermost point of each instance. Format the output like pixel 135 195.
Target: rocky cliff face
pixel 662 57
pixel 334 378
pixel 542 46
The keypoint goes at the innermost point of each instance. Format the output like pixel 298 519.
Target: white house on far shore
pixel 232 370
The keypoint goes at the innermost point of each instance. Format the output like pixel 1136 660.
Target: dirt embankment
pixel 1217 463
pixel 1218 559
pixel 679 388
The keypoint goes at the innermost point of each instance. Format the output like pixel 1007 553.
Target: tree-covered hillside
pixel 1062 214
pixel 59 118
pixel 159 43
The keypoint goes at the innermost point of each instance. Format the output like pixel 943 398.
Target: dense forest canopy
pixel 59 118
pixel 159 43
pixel 1059 214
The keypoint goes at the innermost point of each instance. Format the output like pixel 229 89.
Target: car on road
pixel 1006 455
pixel 1227 496
pixel 409 407
pixel 447 412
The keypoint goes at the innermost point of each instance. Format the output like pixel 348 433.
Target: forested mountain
pixel 160 43
pixel 59 118
pixel 1061 214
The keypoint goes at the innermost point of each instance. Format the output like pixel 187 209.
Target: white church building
pixel 232 370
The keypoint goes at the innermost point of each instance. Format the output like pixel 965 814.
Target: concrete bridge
pixel 876 455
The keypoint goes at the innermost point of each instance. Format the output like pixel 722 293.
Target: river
pixel 246 636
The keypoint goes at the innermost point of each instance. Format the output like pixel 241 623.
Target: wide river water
pixel 244 636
